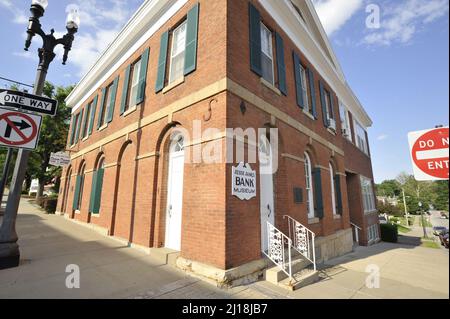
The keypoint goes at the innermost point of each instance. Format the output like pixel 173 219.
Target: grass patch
pixel 427 223
pixel 402 229
pixel 403 221
pixel 430 244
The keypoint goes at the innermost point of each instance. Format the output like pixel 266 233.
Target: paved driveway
pixel 110 270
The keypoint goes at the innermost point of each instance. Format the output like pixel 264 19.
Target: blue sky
pixel 399 71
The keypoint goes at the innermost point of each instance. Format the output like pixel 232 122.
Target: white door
pixel 175 195
pixel 266 189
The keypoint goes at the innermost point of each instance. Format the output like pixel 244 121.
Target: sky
pixel 397 65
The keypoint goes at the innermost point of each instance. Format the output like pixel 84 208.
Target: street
pixel 108 269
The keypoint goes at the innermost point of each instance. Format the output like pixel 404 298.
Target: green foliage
pixel 390 188
pixel 389 233
pixel 53 136
pixel 386 208
pixel 440 189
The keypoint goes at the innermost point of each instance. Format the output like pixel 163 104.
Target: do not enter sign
pixel 430 154
pixel 18 129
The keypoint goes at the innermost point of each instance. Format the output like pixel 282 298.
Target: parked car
pixel 437 230
pixel 444 215
pixel 444 239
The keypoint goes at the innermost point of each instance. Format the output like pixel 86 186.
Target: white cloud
pixel 18 16
pixel 401 21
pixel 382 137
pixel 335 13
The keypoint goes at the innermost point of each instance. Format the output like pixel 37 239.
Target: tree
pixel 53 138
pixel 390 188
pixel 440 189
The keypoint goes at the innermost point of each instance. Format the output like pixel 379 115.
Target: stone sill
pixel 309 115
pixel 314 220
pixel 173 85
pixel 270 86
pixel 129 111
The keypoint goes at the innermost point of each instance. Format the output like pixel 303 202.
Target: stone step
pixel 165 255
pixel 275 274
pixel 301 279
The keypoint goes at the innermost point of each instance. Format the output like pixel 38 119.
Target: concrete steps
pixel 165 255
pixel 303 275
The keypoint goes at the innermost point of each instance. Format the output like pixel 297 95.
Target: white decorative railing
pixel 303 240
pixel 356 228
pixel 277 252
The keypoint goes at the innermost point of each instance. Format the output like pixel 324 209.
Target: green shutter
pixel 318 197
pixel 96 191
pixel 126 82
pixel 255 40
pixel 161 75
pixel 190 54
pixel 281 65
pixel 324 106
pixel 102 108
pixel 85 121
pixel 93 110
pixel 143 76
pixel 80 119
pixel 298 80
pixel 312 87
pixel 337 187
pixel 76 195
pixel 112 100
pixel 72 134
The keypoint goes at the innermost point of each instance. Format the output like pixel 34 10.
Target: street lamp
pixel 9 250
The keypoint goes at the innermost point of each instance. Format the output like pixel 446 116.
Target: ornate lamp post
pixel 9 249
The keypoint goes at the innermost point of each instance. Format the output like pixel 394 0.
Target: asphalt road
pixel 436 219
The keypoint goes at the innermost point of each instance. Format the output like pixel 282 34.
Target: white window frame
pixel 85 129
pixel 328 104
pixel 372 233
pixel 345 119
pixel 270 53
pixel 361 141
pixel 368 195
pixel 134 87
pixel 309 187
pixel 305 88
pixel 176 36
pixel 333 191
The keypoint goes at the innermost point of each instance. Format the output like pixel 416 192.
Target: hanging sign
pixel 243 182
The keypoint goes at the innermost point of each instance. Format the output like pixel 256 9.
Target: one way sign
pixel 28 102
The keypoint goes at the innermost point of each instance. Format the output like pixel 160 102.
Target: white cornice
pixel 150 16
pixel 286 16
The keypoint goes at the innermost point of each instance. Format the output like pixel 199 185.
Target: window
pixel 345 119
pixel 97 185
pixel 305 88
pixel 372 233
pixel 267 54
pixel 80 192
pixel 134 84
pixel 178 53
pixel 86 120
pixel 105 106
pixel 333 190
pixel 361 141
pixel 368 195
pixel 329 114
pixel 309 189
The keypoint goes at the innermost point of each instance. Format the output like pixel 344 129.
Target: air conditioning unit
pixel 332 124
pixel 345 132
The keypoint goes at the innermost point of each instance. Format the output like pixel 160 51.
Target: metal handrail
pixel 276 252
pixel 303 239
pixel 356 226
pixel 356 231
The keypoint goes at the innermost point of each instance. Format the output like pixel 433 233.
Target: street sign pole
pixel 9 249
pixel 5 173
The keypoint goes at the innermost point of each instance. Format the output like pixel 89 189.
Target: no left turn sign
pixel 19 130
pixel 430 154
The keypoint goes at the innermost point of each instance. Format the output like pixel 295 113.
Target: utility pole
pixel 406 208
pixel 9 249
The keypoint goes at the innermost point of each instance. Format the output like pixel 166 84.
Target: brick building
pixel 220 64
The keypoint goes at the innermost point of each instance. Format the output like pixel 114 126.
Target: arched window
pixel 309 187
pixel 79 186
pixel 97 187
pixel 333 190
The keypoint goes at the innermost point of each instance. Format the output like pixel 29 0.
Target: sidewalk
pixel 108 269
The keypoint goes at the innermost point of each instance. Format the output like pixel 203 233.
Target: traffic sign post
pixel 28 102
pixel 19 130
pixel 430 154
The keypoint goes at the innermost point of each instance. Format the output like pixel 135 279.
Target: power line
pixel 16 82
